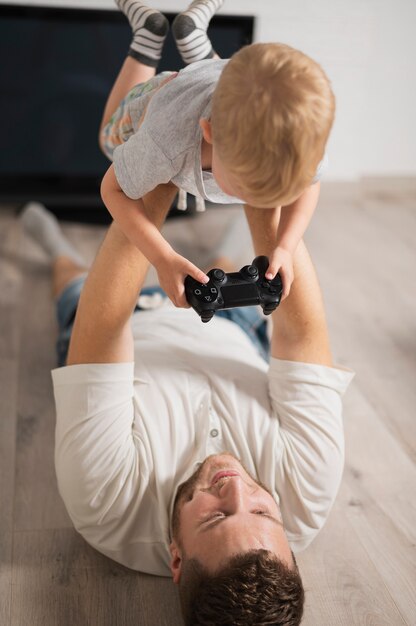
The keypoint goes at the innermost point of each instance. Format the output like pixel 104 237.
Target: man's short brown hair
pixel 252 589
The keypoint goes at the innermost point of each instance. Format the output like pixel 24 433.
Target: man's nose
pixel 234 493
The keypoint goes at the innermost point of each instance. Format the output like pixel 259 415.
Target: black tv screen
pixel 57 67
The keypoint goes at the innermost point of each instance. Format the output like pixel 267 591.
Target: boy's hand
pixel 172 269
pixel 281 261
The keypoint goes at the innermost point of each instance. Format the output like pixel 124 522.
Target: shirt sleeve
pixel 321 169
pixel 96 459
pixel 140 165
pixel 307 400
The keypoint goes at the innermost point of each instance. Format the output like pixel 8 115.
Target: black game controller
pixel 226 291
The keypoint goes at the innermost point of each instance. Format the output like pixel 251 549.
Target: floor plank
pixel 10 291
pixel 367 280
pixel 342 585
pixel 377 463
pixel 391 553
pixel 37 503
pixel 74 584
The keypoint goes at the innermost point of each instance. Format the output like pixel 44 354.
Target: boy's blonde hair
pixel 272 112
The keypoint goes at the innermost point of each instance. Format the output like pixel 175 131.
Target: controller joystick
pixel 218 275
pixel 247 287
pixel 250 271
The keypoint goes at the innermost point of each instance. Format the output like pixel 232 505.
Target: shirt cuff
pixel 93 373
pixel 337 377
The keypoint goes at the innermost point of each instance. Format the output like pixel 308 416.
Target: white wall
pixel 367 48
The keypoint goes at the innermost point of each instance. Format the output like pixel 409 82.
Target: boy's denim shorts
pixel 248 318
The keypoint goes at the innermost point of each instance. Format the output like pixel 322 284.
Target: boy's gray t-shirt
pixel 167 145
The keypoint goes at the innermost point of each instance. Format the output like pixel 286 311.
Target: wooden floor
pixel 361 569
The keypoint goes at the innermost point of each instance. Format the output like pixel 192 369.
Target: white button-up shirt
pixel 127 435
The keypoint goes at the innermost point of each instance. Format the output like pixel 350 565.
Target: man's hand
pixel 172 269
pixel 281 260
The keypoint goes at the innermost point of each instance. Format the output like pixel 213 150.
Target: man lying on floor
pixel 180 450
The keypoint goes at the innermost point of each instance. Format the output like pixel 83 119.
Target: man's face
pixel 222 510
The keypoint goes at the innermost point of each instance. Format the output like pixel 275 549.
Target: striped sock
pixel 190 30
pixel 149 28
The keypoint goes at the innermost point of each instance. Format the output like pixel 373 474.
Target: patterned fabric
pixel 121 126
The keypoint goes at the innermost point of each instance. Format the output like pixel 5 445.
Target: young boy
pixel 250 130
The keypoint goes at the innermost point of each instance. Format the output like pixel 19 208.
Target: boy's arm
pixel 135 218
pixel 293 222
pixel 299 325
pixel 295 218
pixel 102 332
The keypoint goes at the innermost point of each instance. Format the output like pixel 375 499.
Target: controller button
pixel 208 298
pixel 218 275
pixel 197 292
pixel 214 290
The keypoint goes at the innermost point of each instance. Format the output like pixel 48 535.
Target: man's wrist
pixel 286 246
pixel 263 224
pixel 162 253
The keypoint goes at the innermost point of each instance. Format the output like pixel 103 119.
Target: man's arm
pixel 102 332
pixel 299 326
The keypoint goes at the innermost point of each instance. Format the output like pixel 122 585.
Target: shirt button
pixel 214 432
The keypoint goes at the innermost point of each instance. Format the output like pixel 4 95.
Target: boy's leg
pixel 149 28
pixel 190 30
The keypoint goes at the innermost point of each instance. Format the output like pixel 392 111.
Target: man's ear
pixel 176 562
pixel 206 129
